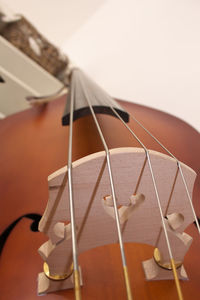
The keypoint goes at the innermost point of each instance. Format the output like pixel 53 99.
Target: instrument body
pixel 34 145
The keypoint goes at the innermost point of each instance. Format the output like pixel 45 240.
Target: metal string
pixel 126 277
pixel 71 203
pixel 179 167
pixel 89 206
pixel 166 209
pixel 136 189
pixel 159 206
pixel 114 195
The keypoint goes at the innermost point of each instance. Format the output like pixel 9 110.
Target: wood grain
pixel 34 145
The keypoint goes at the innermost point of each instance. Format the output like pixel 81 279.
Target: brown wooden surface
pixel 33 145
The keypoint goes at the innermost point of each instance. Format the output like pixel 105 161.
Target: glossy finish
pixel 33 145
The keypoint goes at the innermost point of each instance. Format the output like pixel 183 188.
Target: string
pixel 169 200
pixel 125 269
pixel 71 203
pixel 140 177
pixel 159 206
pixel 88 209
pixel 136 189
pixel 179 167
pixel 155 188
pixel 89 206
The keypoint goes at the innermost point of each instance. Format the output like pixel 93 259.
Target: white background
pixel 145 51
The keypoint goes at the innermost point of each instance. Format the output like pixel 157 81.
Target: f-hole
pixel 1 79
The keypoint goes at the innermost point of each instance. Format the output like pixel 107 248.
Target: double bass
pixel 34 145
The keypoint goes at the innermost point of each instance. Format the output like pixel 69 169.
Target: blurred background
pixel 147 52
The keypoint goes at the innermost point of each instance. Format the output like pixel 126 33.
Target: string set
pixel 90 91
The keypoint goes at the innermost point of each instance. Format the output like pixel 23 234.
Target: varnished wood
pixel 34 145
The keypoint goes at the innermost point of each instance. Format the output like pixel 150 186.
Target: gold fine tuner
pixel 57 276
pixel 165 265
pixel 172 265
